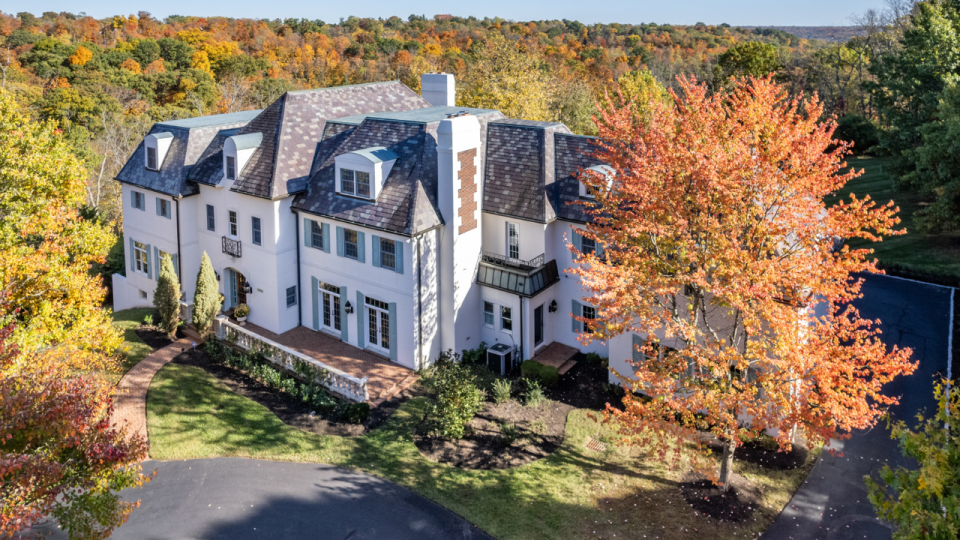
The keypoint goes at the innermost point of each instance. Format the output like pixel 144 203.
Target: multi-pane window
pixel 257 234
pixel 291 296
pixel 378 319
pixel 513 241
pixel 151 158
pixel 350 243
pixel 587 245
pixel 232 218
pixel 363 184
pixel 331 305
pixel 388 254
pixel 211 219
pixel 506 319
pixel 316 235
pixel 139 200
pixel 164 207
pixel 346 182
pixel 488 313
pixel 140 262
pixel 589 312
pixel 231 168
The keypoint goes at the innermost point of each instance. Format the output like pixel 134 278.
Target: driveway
pixel 832 504
pixel 241 499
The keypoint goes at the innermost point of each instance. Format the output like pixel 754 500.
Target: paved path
pixel 832 504
pixel 246 499
pixel 130 410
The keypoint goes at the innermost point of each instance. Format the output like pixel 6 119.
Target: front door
pixel 331 311
pixel 378 320
pixel 538 325
pixel 233 297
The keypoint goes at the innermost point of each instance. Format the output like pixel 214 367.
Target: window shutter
pixel 159 212
pixel 315 287
pixel 325 231
pixel 149 271
pixel 339 241
pixel 176 265
pixel 376 251
pixel 360 321
pixel 393 331
pixel 577 240
pixel 344 334
pixel 361 251
pixel 398 249
pixel 156 263
pixel 133 257
pixel 637 352
pixel 306 232
pixel 133 198
pixel 577 312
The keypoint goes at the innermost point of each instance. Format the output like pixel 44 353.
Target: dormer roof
pixel 573 152
pixel 375 154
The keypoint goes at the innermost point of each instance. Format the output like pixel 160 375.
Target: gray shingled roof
pixel 572 154
pixel 293 125
pixel 519 169
pixel 191 138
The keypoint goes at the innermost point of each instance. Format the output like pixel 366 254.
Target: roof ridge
pixel 276 145
pixel 357 85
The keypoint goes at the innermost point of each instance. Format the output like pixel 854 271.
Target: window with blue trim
pixel 211 219
pixel 257 235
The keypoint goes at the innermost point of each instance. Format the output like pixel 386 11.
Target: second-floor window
pixel 316 235
pixel 257 234
pixel 211 218
pixel 231 168
pixel 355 183
pixel 152 158
pixel 587 245
pixel 350 243
pixel 232 219
pixel 163 207
pixel 513 241
pixel 139 200
pixel 388 254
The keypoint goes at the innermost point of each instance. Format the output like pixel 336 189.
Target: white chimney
pixel 438 89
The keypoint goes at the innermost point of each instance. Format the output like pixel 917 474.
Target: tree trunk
pixel 726 464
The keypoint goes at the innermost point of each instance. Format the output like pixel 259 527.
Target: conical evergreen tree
pixel 167 296
pixel 206 299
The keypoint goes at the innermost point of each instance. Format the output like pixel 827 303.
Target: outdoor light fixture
pixel 216 274
pixel 348 307
pixel 553 306
pixel 247 288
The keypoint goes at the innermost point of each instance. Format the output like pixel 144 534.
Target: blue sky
pixel 735 12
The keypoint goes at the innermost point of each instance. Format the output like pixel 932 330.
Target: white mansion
pixel 397 223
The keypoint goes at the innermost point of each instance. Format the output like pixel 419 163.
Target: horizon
pixel 746 13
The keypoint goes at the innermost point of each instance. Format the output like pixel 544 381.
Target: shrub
pixel 509 433
pixel 167 296
pixel 546 375
pixel 357 413
pixel 549 376
pixel 242 310
pixel 539 426
pixel 475 356
pixel 148 320
pixel 206 300
pixel 533 395
pixel 457 397
pixel 501 390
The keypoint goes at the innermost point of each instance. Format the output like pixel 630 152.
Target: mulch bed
pixel 737 504
pixel 540 432
pixel 585 387
pixel 771 459
pixel 152 336
pixel 290 411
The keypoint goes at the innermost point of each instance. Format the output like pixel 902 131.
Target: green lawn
pixel 133 349
pixel 574 493
pixel 936 253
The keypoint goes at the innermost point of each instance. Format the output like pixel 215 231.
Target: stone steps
pixel 394 390
pixel 566 366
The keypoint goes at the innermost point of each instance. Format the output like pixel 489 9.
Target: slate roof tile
pixel 572 154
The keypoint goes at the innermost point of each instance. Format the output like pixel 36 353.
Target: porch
pixel 353 373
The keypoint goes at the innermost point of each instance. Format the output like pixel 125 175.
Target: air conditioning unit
pixel 501 358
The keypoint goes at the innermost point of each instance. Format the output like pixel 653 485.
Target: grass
pixel 935 253
pixel 133 349
pixel 573 493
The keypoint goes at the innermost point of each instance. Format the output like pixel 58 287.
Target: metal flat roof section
pixel 513 281
pixel 212 120
pixel 427 115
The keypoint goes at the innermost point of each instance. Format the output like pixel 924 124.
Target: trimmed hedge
pixel 546 375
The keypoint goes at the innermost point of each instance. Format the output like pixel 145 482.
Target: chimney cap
pixel 458 114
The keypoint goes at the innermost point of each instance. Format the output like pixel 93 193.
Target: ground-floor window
pixel 378 320
pixel 506 319
pixel 488 314
pixel 589 312
pixel 140 258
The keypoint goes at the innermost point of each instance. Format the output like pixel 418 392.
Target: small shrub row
pixel 314 395
pixel 546 375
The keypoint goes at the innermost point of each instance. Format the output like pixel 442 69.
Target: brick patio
pixel 386 379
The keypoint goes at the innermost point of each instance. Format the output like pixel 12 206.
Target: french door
pixel 331 311
pixel 378 323
pixel 538 325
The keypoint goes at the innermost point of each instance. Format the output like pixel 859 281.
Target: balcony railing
pixel 348 386
pixel 510 262
pixel 231 247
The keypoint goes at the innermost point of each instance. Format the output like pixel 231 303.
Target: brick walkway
pixel 130 410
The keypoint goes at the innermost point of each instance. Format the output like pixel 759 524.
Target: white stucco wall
pixel 148 228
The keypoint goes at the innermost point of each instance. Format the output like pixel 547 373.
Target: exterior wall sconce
pixel 216 274
pixel 348 307
pixel 552 307
pixel 248 288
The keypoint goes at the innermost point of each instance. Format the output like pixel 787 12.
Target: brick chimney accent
pixel 468 190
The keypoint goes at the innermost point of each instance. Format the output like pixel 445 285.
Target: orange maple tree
pixel 718 243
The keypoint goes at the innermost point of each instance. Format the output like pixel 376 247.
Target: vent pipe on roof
pixel 438 89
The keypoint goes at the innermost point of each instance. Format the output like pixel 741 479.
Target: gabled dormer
pixel 156 145
pixel 362 173
pixel 237 151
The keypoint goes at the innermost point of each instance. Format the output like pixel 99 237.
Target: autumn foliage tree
pixel 718 243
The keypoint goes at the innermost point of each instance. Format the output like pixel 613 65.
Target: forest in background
pixel 105 81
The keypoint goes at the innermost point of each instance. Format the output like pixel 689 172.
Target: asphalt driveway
pixel 832 504
pixel 246 499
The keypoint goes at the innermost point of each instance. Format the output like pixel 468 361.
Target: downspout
pixel 419 304
pixel 522 337
pixel 179 252
pixel 296 224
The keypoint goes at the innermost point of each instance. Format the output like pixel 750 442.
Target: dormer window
pixel 363 173
pixel 237 151
pixel 156 146
pixel 606 171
